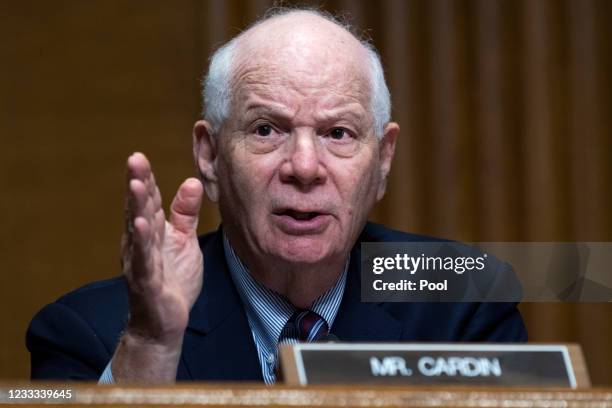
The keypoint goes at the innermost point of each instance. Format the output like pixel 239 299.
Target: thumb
pixel 185 206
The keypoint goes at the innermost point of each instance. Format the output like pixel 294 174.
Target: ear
pixel 205 155
pixel 386 152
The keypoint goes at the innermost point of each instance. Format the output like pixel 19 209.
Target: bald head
pixel 302 37
pixel 303 47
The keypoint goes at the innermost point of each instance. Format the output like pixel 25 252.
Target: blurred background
pixel 505 109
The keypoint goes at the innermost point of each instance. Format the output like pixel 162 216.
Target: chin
pixel 304 249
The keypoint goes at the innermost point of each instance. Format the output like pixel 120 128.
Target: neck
pixel 300 283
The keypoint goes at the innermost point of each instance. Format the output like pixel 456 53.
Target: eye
pixel 338 133
pixel 263 130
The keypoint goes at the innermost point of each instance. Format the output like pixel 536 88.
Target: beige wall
pixel 504 106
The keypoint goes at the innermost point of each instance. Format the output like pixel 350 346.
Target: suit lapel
pixel 357 321
pixel 218 342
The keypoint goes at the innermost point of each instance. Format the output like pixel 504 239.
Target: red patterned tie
pixel 305 325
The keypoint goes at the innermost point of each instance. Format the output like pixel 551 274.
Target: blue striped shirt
pixel 268 312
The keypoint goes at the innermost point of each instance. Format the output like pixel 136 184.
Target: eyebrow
pixel 339 114
pixel 269 108
pixel 280 112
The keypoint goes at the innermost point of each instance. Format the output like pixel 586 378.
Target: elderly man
pixel 295 148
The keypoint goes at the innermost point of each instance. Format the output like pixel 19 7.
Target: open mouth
pixel 299 215
pixel 295 222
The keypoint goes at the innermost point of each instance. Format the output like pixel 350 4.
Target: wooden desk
pixel 249 395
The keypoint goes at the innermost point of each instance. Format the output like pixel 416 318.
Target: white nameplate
pixel 507 365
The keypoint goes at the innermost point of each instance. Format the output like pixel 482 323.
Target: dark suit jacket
pixel 75 337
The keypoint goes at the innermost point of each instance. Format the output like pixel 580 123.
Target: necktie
pixel 305 325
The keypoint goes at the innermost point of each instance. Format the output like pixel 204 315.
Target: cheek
pixel 244 181
pixel 359 191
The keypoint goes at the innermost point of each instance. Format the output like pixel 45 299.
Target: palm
pixel 181 260
pixel 162 260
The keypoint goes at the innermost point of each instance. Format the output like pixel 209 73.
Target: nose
pixel 303 164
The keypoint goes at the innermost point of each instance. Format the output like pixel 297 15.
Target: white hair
pixel 216 89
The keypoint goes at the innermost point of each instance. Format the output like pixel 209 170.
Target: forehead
pixel 285 83
pixel 302 59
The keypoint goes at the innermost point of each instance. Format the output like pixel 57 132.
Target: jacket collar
pixel 219 297
pixel 218 343
pixel 361 321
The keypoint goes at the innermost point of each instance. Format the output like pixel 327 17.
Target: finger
pixel 141 202
pixel 159 218
pixel 151 184
pixel 138 200
pixel 140 215
pixel 185 207
pixel 157 199
pixel 154 208
pixel 135 201
pixel 149 208
pixel 141 260
pixel 139 167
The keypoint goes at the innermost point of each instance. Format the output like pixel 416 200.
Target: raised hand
pixel 163 265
